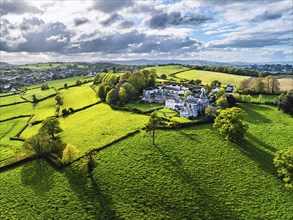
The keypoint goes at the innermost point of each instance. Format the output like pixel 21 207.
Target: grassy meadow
pixel 77 97
pixel 40 94
pixel 286 84
pixel 208 76
pixel 10 99
pixel 95 127
pixel 11 150
pixel 190 173
pixel 167 70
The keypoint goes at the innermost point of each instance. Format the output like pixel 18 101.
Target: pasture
pixel 10 99
pixel 167 70
pixel 286 83
pixel 208 76
pixel 190 173
pixel 77 97
pixel 144 107
pixel 40 94
pixel 95 127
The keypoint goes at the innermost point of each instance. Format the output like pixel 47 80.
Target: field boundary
pixel 15 103
pixel 15 117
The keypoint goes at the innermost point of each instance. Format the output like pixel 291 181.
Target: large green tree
pixel 40 143
pixel 285 102
pixel 51 126
pixel 284 163
pixel 230 123
pixel 154 122
pixel 272 84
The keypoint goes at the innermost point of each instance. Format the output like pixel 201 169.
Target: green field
pixel 95 126
pixel 77 97
pixel 59 83
pixel 40 94
pixel 11 150
pixel 10 99
pixel 266 98
pixel 167 70
pixel 46 66
pixel 190 174
pixel 144 107
pixel 208 76
pixel 286 84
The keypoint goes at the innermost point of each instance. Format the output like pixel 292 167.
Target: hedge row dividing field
pixel 190 173
pixel 10 99
pixel 168 70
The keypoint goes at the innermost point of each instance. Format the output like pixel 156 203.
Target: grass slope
pixel 10 99
pixel 208 76
pixel 11 150
pixel 167 70
pixel 190 174
pixel 95 126
pixel 77 97
pixel 40 94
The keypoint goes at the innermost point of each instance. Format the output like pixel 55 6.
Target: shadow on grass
pixel 254 116
pixel 95 201
pixel 252 148
pixel 38 174
pixel 209 207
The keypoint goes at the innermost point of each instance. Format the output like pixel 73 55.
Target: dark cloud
pixel 31 22
pixel 19 7
pixel 126 24
pixel 80 21
pixel 268 15
pixel 112 19
pixel 50 37
pixel 111 6
pixel 164 20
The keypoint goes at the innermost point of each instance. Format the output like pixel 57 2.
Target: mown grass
pixel 167 70
pixel 40 94
pixel 166 113
pixel 265 98
pixel 95 127
pixel 10 99
pixel 77 97
pixel 190 174
pixel 144 107
pixel 207 77
pixel 11 150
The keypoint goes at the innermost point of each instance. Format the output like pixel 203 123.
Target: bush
pixel 285 102
pixel 45 86
pixel 70 153
pixel 284 164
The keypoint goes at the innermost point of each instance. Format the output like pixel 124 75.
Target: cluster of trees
pixel 115 89
pixel 45 86
pixel 285 102
pixel 269 85
pixel 233 70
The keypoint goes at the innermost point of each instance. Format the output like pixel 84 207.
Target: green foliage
pixel 45 86
pixel 154 122
pixel 220 93
pixel 112 96
pixel 285 102
pixel 284 164
pixel 222 102
pixel 122 95
pixel 78 82
pixel 216 83
pixel 130 90
pixel 70 153
pixel 243 86
pixel 210 112
pixel 40 143
pixel 272 85
pixel 230 124
pixel 163 76
pixel 51 126
pixel 187 93
pixel 258 86
pixel 58 99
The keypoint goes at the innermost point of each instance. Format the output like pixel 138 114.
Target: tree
pixel 78 82
pixel 284 164
pixel 58 99
pixel 210 112
pixel 258 86
pixel 197 82
pixel 220 93
pixel 231 101
pixel 285 102
pixel 112 96
pixel 163 76
pixel 101 92
pixel 89 164
pixel 272 84
pixel 131 91
pixel 243 86
pixel 187 93
pixel 65 85
pixel 51 126
pixel 39 143
pixel 70 153
pixel 230 124
pixel 216 83
pixel 35 100
pixel 45 86
pixel 154 122
pixel 123 96
pixel 222 102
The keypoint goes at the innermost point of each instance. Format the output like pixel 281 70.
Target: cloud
pixel 111 6
pixel 126 24
pixel 112 19
pixel 80 21
pixel 164 20
pixel 30 23
pixel 19 7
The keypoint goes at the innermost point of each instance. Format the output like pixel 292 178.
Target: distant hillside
pixel 3 64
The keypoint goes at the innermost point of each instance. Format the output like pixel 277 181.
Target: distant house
pixel 230 88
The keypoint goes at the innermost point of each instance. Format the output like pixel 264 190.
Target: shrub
pixel 284 164
pixel 285 102
pixel 70 153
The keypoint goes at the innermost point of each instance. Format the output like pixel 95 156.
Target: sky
pixel 106 30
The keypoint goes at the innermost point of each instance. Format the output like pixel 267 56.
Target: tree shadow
pixel 251 147
pixel 210 207
pixel 94 200
pixel 255 117
pixel 38 174
pixel 188 135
